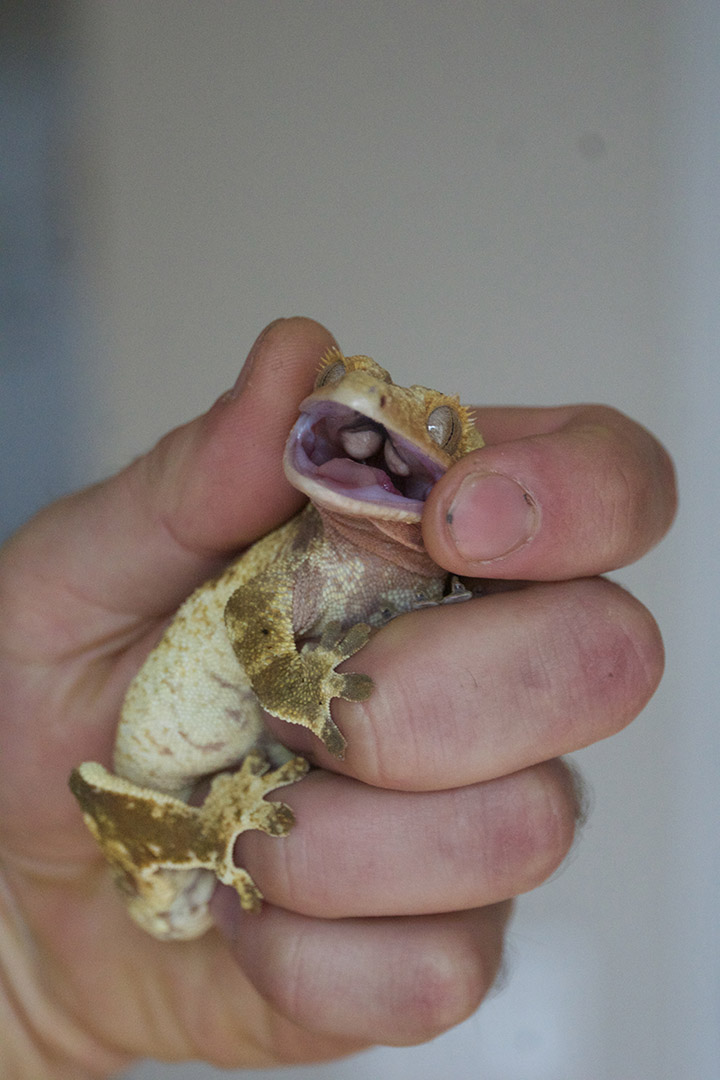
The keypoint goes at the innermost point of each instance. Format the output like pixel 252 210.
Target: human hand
pixel 386 905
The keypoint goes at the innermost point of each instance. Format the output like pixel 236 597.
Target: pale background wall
pixel 515 199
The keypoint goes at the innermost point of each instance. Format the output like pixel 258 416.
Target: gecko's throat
pixel 351 455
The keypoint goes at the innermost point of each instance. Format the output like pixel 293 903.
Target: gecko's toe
pixel 356 687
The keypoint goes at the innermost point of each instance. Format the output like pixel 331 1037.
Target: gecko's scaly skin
pixel 267 635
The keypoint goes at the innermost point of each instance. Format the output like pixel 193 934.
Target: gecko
pixel 266 636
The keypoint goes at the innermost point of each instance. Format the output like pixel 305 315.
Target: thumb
pixel 134 545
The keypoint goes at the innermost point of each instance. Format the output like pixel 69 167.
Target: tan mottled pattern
pixel 266 635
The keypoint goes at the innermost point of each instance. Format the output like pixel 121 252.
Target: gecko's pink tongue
pixel 354 474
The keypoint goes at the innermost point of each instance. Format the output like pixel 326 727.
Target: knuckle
pixel 552 821
pixel 565 808
pixel 536 833
pixel 594 660
pixel 553 829
pixel 619 655
pixel 440 989
pixel 635 483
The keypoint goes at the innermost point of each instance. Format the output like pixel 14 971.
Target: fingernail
pixel 246 369
pixel 490 516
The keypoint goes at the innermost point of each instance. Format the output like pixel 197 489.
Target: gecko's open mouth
pixel 356 458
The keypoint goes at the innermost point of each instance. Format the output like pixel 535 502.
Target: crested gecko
pixel 267 634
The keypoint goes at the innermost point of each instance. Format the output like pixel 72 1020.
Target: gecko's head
pixel 366 447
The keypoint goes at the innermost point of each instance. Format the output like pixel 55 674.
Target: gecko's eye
pixel 444 428
pixel 333 373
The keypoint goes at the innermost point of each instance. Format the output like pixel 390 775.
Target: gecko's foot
pixel 166 855
pixel 331 650
pixel 335 648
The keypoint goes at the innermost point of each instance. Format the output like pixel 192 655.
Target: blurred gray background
pixel 518 200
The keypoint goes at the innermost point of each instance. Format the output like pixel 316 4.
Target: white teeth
pixel 361 443
pixel 394 462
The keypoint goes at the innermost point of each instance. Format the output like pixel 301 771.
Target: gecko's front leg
pixel 294 686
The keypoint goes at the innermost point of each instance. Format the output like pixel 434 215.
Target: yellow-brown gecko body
pixel 267 635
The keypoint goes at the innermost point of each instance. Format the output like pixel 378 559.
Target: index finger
pixel 555 493
pixel 132 547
